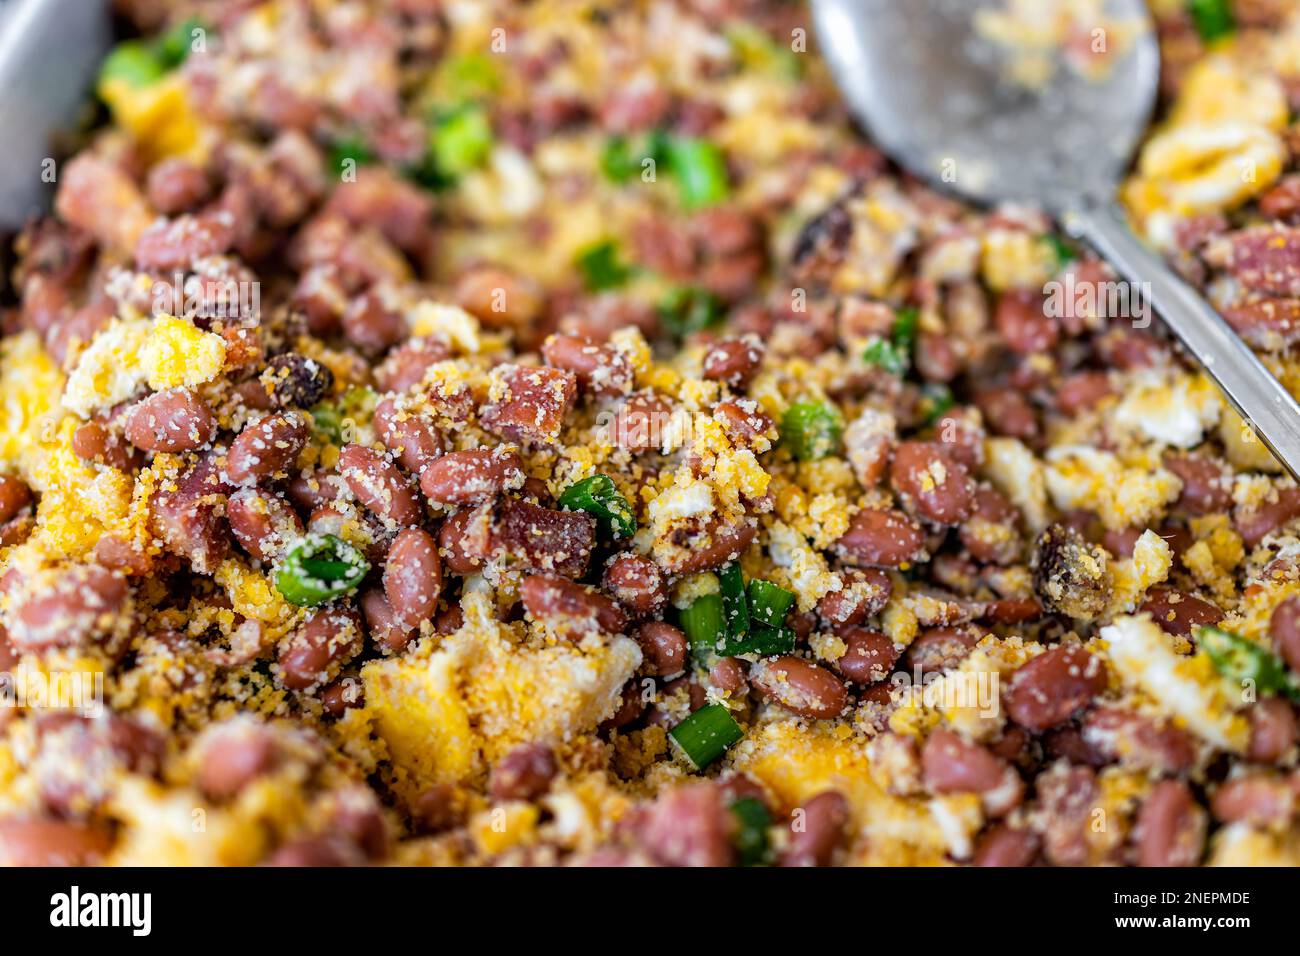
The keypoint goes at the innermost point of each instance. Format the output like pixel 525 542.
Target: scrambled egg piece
pixel 1079 476
pixel 1176 412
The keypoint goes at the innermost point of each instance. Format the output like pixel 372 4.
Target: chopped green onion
pixel 705 735
pixel 1062 252
pixel 704 626
pixel 134 63
pixel 349 147
pixel 700 170
pixel 754 48
pixel 689 310
pixel 750 838
pixel 600 498
pixel 1240 660
pixel 619 161
pixel 460 141
pixel 936 398
pixel 735 609
pixel 1212 18
pixel 601 267
pixel 903 335
pixel 329 421
pixel 762 641
pixel 885 354
pixel 174 47
pixel 469 76
pixel 811 430
pixel 319 568
pixel 894 355
pixel 769 603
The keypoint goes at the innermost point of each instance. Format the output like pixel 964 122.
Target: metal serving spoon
pixel 938 100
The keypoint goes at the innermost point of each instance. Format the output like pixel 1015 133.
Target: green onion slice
pixel 750 838
pixel 704 626
pixel 769 603
pixel 601 267
pixel 1239 660
pixel 319 568
pixel 700 170
pixel 761 641
pixel 690 309
pixel 810 430
pixel 936 398
pixel 735 609
pixel 460 141
pixel 600 498
pixel 705 735
pixel 133 62
pixel 1212 18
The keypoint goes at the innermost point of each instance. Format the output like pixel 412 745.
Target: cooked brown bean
pixel 14 497
pixel 441 807
pixel 371 324
pixel 326 641
pixel 321 488
pixel 746 424
pixel 1007 412
pixel 1284 628
pixel 267 447
pixel 630 707
pixel 525 773
pixel 413 577
pixel 1067 796
pixel 342 695
pixel 1081 391
pixel 95 442
pixel 27 841
pixel 734 361
pixel 1207 485
pixel 1256 523
pixel 641 422
pixel 1260 799
pixel 1138 741
pixel 1020 321
pixel 570 607
pixel 85 603
pixel 455 545
pixel 931 485
pixel 380 485
pixel 176 185
pixel 190 517
pixel 293 380
pixel 688 825
pixel 869 657
pixel 315 852
pixel 1273 730
pixel 663 648
pixel 940 648
pixel 865 593
pixel 637 583
pixel 817 831
pixel 1005 845
pixel 952 765
pixel 991 535
pixel 263 523
pixel 719 544
pixel 529 403
pixel 729 674
pixel 382 622
pixel 600 369
pixel 1178 612
pixel 885 538
pixel 170 421
pixel 1052 687
pixel 800 686
pixel 235 756
pixel 411 437
pixel 405 365
pixel 467 477
pixel 1170 827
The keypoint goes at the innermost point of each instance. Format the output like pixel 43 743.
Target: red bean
pixel 314 653
pixel 371 323
pixel 413 577
pixel 1178 612
pixel 600 369
pixel 530 403
pixel 1207 485
pixel 405 365
pixel 1020 321
pixel 800 686
pixel 870 655
pixel 170 421
pixel 663 648
pixel 637 583
pixel 1259 799
pixel 1008 412
pixel 688 826
pixel 314 852
pixel 380 485
pixel 468 477
pixel 1005 845
pixel 570 607
pixel 941 648
pixel 1257 523
pixel 411 437
pixel 734 361
pixel 952 765
pixel 234 756
pixel 525 773
pixel 930 484
pixel 1170 827
pixel 262 523
pixel 1049 689
pixel 342 695
pixel 85 603
pixel 14 497
pixel 1284 627
pixel 1273 730
pixel 1113 733
pixel 884 538
pixel 189 516
pixel 440 808
pixel 382 622
pixel 176 185
pixel 267 447
pixel 461 555
pixel 1081 391
pixel 641 422
pixel 864 594
pixel 817 831
pixel 991 534
pixel 746 424
pixel 729 674
pixel 94 442
pixel 27 841
pixel 720 544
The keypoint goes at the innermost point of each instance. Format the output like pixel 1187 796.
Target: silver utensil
pixel 937 98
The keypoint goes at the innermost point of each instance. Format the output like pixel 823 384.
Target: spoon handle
pixel 1268 408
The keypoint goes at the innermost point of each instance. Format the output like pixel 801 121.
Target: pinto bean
pixel 170 421
pixel 380 485
pixel 636 583
pixel 14 497
pixel 800 686
pixel 1005 845
pixel 728 674
pixel 263 523
pixel 234 756
pixel 1260 799
pixel 734 361
pixel 455 545
pixel 1273 730
pixel 663 648
pixel 1170 827
pixel 1207 485
pixel 411 437
pixel 931 485
pixel 382 622
pixel 525 773
pixel 28 841
pixel 85 603
pixel 950 764
pixel 468 477
pixel 641 422
pixel 1284 627
pixel 1178 612
pixel 190 519
pixel 864 594
pixel 1052 687
pixel 884 538
pixel 870 655
pixel 817 832
pixel 267 447
pixel 413 577
pixel 746 424
pixel 314 653
pixel 570 607
pixel 600 369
